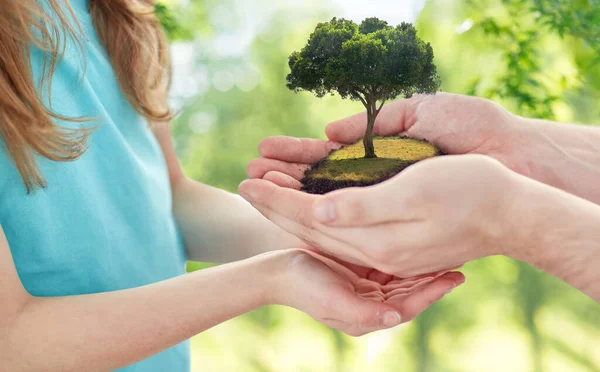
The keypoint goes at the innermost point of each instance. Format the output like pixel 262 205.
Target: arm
pixel 107 331
pixel 559 234
pixel 402 225
pixel 217 226
pixel 566 156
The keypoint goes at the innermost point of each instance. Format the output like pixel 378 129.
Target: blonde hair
pixel 136 45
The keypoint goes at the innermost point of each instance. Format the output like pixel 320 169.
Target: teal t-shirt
pixel 104 222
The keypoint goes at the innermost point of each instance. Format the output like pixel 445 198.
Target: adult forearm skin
pixel 559 233
pixel 566 156
pixel 101 332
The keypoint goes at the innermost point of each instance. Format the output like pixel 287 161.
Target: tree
pixel 371 63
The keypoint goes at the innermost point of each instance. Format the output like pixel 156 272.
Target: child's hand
pixel 353 299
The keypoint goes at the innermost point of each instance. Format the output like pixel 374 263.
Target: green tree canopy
pixel 372 63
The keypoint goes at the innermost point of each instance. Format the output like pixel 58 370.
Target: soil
pixel 347 166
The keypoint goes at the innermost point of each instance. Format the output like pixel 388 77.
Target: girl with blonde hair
pixel 97 218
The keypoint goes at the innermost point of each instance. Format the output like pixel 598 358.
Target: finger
pixel 291 210
pixel 393 119
pixel 282 180
pixel 296 150
pixel 413 305
pixel 259 167
pixel 293 204
pixel 359 270
pixel 379 277
pixel 364 315
pixel 367 206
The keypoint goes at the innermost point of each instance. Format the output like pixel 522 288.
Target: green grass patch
pixel 359 169
pixel 403 148
pixel 394 154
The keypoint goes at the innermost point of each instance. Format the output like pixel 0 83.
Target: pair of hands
pixel 435 215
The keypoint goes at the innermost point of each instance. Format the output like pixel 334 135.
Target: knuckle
pixel 256 168
pixel 265 147
pixel 350 206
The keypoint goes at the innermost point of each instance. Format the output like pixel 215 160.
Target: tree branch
pixel 380 107
pixel 361 91
pixel 364 102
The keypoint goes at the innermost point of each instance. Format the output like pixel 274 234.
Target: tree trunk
pixel 368 139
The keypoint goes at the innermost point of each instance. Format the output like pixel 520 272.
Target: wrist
pixel 284 278
pixel 564 156
pixel 558 233
pixel 274 273
pixel 529 229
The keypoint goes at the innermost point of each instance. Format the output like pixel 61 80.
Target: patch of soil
pixel 337 171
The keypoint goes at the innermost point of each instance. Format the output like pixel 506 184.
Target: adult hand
pixel 565 156
pixel 436 214
pixel 455 123
pixel 353 299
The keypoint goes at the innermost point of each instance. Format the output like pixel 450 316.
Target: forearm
pixel 566 156
pixel 101 332
pixel 559 234
pixel 219 226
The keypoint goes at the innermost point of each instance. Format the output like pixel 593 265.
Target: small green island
pixel 347 167
pixel 372 63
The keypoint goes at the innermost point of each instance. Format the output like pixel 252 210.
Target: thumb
pixel 368 315
pixel 366 206
pixel 393 119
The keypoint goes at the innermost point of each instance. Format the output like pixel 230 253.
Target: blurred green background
pixel 538 58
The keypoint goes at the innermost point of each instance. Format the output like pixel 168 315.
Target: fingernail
pixel 324 211
pixel 391 319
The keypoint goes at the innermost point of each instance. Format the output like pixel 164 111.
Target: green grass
pixel 394 154
pixel 389 148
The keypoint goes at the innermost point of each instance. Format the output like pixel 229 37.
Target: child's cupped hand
pixel 354 299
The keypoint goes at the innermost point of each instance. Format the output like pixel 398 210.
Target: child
pixel 95 211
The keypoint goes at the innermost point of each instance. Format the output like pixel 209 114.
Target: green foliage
pixel 516 28
pixel 579 19
pixel 521 81
pixel 507 316
pixel 178 24
pixel 368 63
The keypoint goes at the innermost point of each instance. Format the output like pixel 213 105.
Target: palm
pixel 369 284
pixel 342 295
